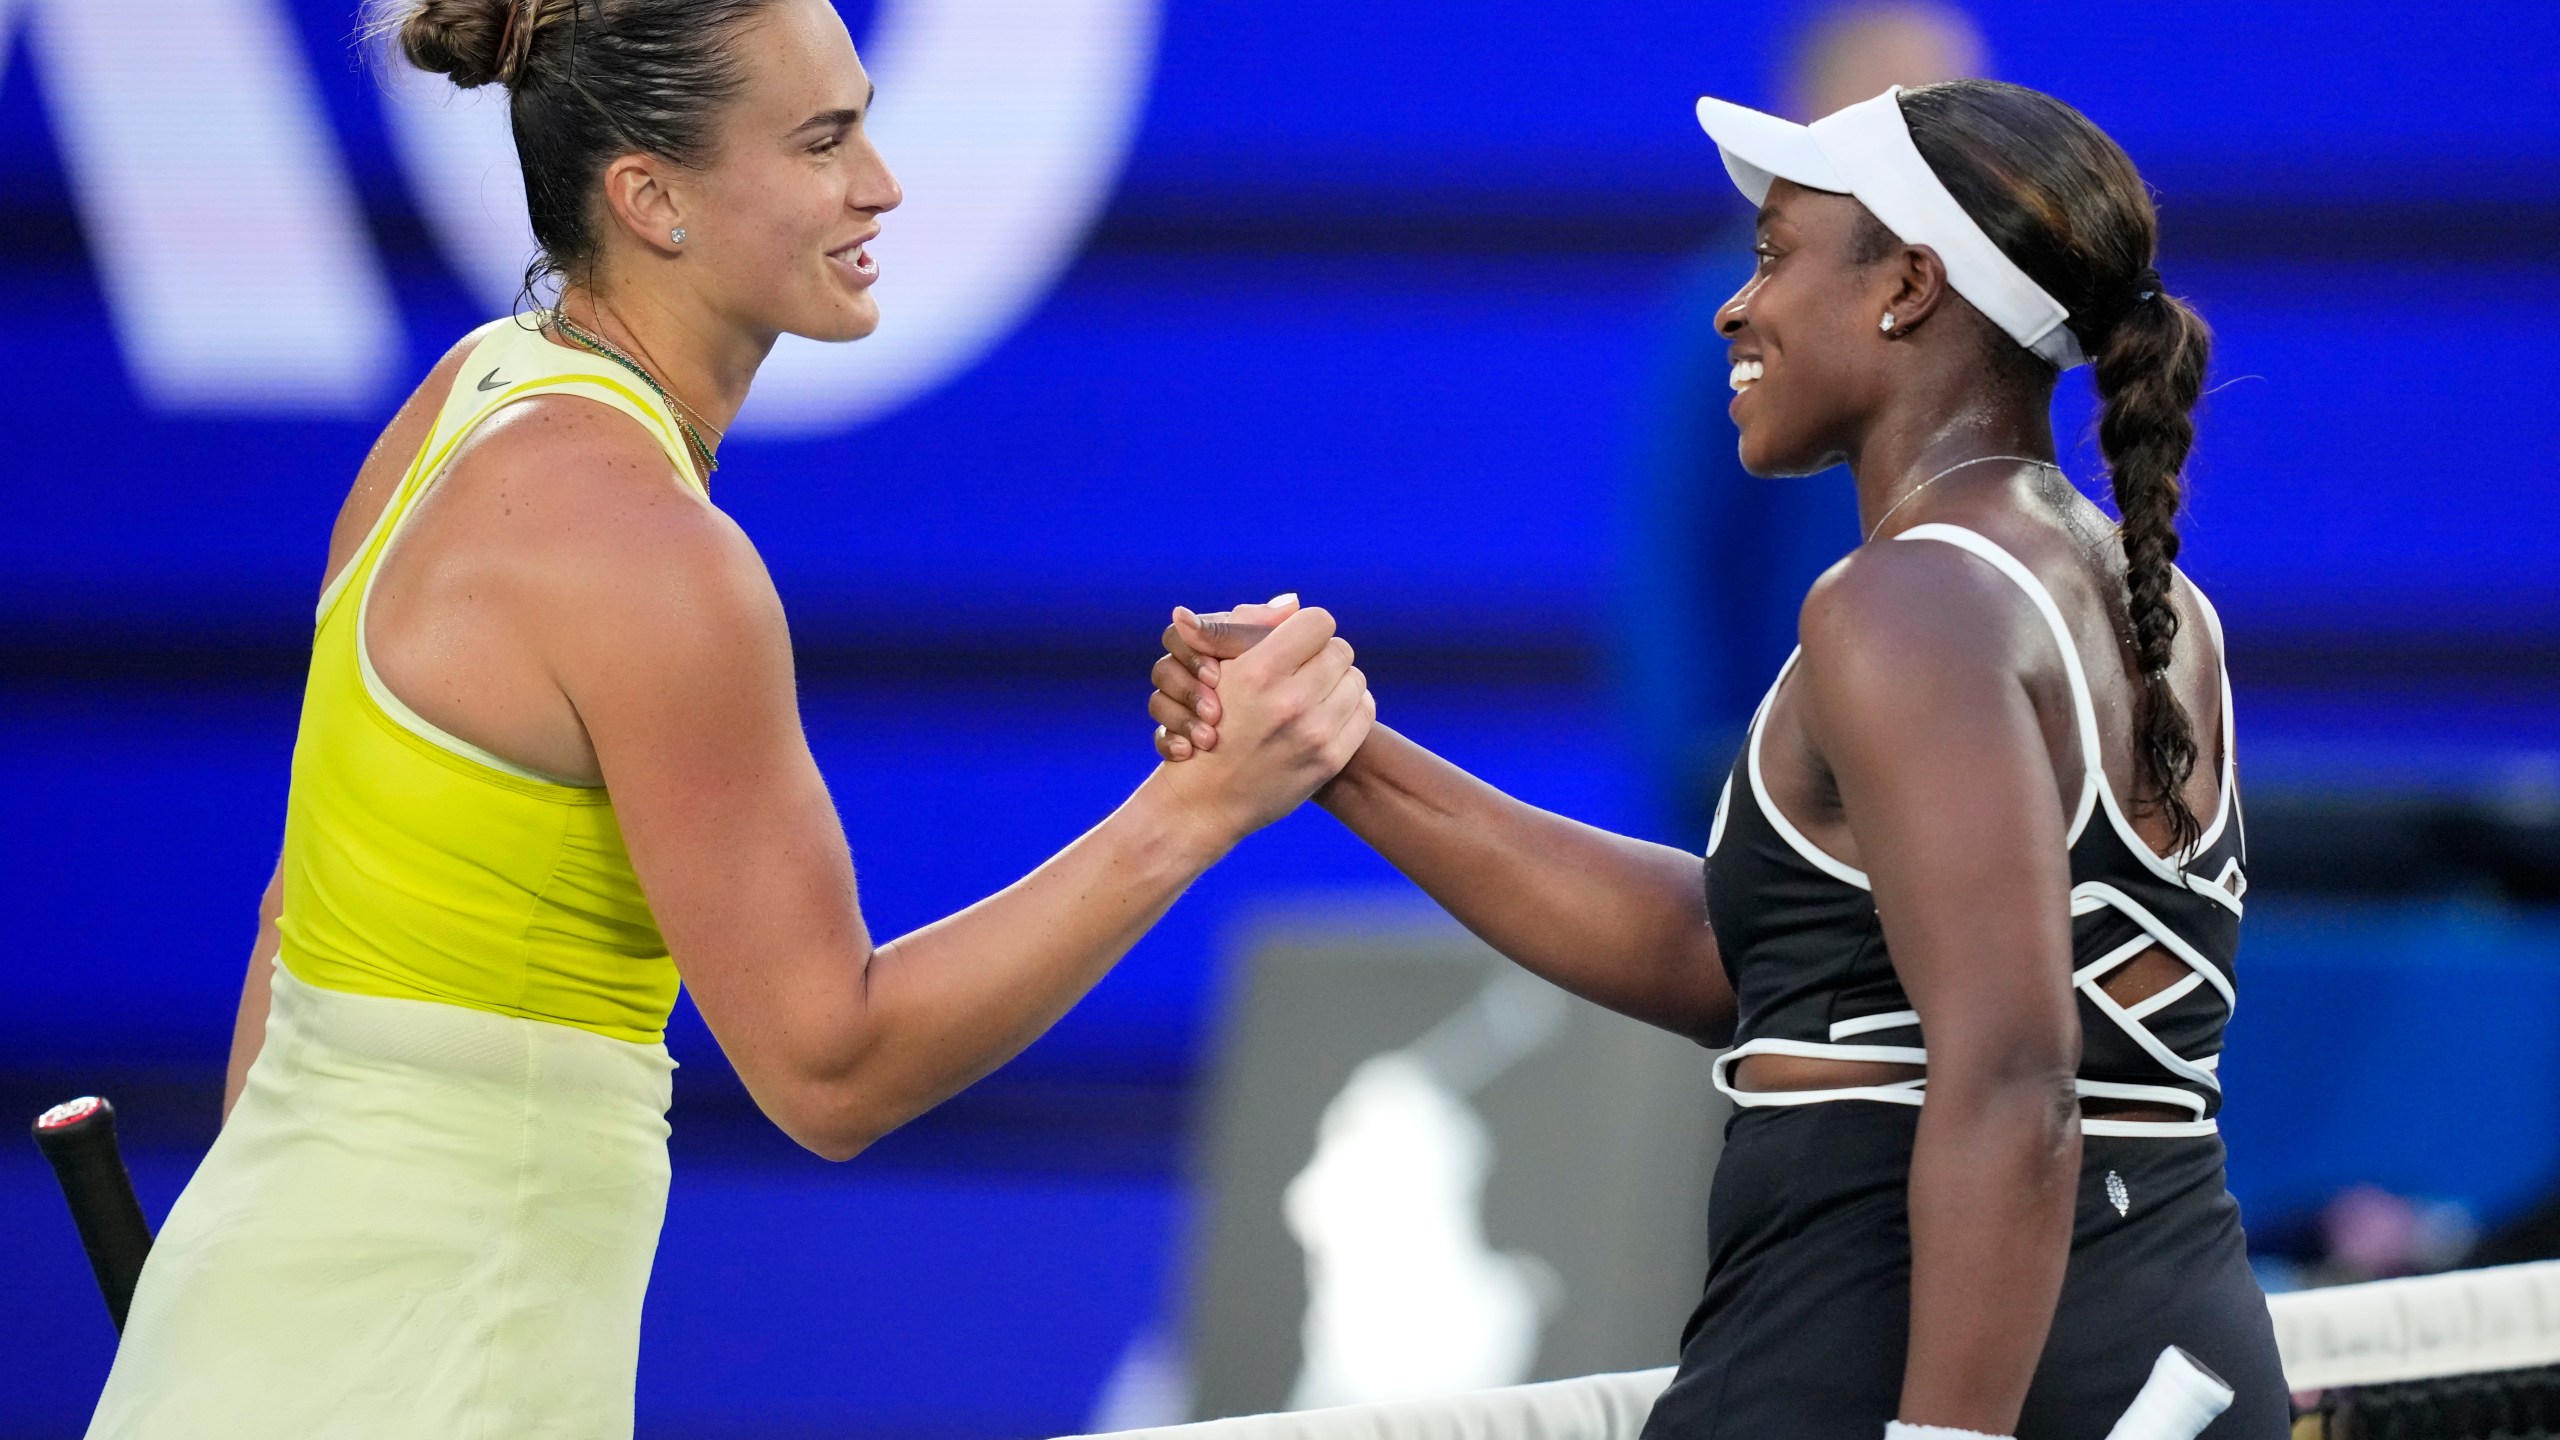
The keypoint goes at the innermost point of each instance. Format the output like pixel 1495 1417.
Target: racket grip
pixel 79 1137
pixel 2177 1402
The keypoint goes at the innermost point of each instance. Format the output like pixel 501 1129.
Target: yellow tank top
pixel 420 866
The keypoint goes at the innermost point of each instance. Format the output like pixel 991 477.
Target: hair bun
pixel 468 41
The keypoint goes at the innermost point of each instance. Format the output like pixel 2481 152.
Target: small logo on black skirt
pixel 2118 1195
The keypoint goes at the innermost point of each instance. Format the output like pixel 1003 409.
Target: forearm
pixel 940 1007
pixel 1994 1173
pixel 1619 921
pixel 249 1023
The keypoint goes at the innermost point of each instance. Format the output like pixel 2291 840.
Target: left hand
pixel 1186 706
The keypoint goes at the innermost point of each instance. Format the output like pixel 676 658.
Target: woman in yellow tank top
pixel 550 763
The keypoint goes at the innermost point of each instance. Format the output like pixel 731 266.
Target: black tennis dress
pixel 1802 1331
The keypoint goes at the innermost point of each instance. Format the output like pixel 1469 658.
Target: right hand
pixel 1292 711
pixel 1186 707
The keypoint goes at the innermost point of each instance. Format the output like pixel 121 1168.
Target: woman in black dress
pixel 1990 802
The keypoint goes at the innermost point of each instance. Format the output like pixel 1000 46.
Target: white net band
pixel 1594 1407
pixel 2468 1322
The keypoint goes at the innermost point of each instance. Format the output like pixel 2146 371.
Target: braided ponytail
pixel 2065 202
pixel 2149 370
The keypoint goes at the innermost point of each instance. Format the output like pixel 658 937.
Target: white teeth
pixel 1744 372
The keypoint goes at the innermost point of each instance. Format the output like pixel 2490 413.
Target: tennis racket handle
pixel 2177 1402
pixel 80 1139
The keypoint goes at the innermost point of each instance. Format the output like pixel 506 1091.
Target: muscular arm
pixel 1916 665
pixel 666 635
pixel 1618 921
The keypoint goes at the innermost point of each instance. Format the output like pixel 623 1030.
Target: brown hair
pixel 586 80
pixel 2064 201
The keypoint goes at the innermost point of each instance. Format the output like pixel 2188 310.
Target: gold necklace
pixel 1909 495
pixel 676 408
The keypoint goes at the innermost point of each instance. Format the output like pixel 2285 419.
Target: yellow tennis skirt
pixel 421 1221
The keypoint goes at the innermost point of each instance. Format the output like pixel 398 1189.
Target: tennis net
pixel 2470 1355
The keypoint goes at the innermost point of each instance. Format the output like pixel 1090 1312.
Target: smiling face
pixel 781 215
pixel 1807 355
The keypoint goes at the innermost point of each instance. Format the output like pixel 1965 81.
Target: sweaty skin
pixel 566 599
pixel 1926 738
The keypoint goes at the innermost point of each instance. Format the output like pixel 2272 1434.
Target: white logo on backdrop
pixel 1004 119
pixel 227 238
pixel 1405 1297
pixel 240 278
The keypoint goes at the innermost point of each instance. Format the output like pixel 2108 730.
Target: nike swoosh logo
pixel 491 381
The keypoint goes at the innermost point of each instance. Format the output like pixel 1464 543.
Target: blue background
pixel 1378 313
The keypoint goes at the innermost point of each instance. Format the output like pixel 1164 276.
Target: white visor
pixel 1865 151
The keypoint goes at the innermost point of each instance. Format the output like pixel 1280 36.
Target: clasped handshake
pixel 1259 706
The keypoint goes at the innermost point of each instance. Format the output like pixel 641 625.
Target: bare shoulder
pixel 1903 605
pixel 1919 646
pixel 596 531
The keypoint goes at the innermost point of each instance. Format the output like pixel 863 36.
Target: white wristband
pixel 1896 1430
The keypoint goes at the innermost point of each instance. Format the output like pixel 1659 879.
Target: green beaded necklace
pixel 676 408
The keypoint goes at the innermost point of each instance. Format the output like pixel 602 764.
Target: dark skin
pixel 1926 737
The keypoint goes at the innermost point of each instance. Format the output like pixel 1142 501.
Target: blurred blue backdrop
pixel 1376 308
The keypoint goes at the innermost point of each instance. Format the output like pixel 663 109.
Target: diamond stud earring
pixel 676 235
pixel 1886 327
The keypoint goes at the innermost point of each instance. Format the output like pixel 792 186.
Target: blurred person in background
pixel 1712 561
pixel 1974 886
pixel 550 761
